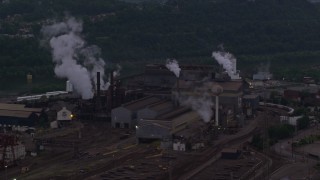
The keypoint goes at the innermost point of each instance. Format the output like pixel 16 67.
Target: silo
pixel 69 86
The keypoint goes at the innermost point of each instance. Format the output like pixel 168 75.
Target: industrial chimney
pixel 217 89
pixel 98 95
pixel 111 88
pixel 110 97
pixel 217 111
pixel 98 84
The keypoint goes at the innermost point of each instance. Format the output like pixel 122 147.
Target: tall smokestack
pixel 98 97
pixel 217 110
pixel 98 84
pixel 178 91
pixel 178 85
pixel 111 88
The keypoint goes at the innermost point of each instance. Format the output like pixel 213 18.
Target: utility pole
pixel 265 144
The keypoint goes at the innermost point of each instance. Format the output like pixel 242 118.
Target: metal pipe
pixel 98 84
pixel 217 110
pixel 111 89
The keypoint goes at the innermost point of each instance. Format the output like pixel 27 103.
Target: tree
pixel 303 122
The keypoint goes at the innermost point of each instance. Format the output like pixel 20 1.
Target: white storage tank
pixel 69 86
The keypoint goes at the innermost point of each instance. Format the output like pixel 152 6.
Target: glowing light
pixel 71 115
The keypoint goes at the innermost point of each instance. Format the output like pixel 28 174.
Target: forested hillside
pixel 283 32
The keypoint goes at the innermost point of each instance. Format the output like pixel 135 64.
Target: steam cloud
pixel 226 60
pixel 173 66
pixel 116 73
pixel 202 105
pixel 73 59
pixel 202 102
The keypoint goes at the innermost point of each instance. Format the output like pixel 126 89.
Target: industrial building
pixel 159 119
pixel 64 116
pixel 125 116
pixel 250 104
pixel 158 75
pixel 15 115
pixel 155 110
pixel 227 96
pixel 165 125
pixel 262 76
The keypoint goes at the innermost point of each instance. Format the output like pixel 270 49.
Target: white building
pixel 236 73
pixel 179 146
pixel 290 120
pixel 64 115
pixel 69 86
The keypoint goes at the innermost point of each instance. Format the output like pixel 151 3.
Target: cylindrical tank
pixel 69 86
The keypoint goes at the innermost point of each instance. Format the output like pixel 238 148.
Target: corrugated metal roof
pixel 174 113
pixel 163 105
pixel 19 114
pixel 141 103
pixel 18 107
pixel 187 115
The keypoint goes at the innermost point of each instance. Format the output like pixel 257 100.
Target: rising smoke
pixel 173 66
pixel 226 60
pixel 73 59
pixel 116 73
pixel 202 105
pixel 201 101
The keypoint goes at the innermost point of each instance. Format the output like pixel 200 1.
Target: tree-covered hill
pixel 280 31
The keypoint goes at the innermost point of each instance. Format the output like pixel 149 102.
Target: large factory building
pixel 158 75
pixel 165 125
pixel 228 100
pixel 16 115
pixel 155 110
pixel 125 116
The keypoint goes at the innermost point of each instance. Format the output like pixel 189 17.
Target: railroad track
pixel 207 155
pixel 118 161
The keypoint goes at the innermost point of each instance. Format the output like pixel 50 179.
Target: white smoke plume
pixel 173 66
pixel 201 100
pixel 226 60
pixel 73 59
pixel 116 73
pixel 202 105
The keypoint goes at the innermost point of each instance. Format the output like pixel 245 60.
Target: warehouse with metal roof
pixel 166 125
pixel 18 115
pixel 125 116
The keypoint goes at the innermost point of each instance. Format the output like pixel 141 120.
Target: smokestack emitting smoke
pixel 73 59
pixel 226 60
pixel 202 105
pixel 202 101
pixel 173 66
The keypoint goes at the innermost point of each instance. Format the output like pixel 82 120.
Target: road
pixel 300 166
